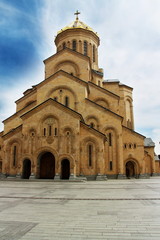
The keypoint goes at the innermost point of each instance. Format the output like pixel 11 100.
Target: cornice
pixel 67 50
pixel 105 109
pixel 93 130
pixel 12 131
pixel 104 90
pixel 131 130
pixel 17 113
pixel 69 32
pixel 57 104
pixel 58 73
pixel 27 95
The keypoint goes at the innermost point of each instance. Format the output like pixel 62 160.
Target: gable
pixel 93 132
pixel 54 106
pixel 60 85
pixel 102 109
pixel 104 97
pixel 69 61
pixel 128 133
pixel 50 109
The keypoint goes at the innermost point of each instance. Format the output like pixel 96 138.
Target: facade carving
pixel 75 124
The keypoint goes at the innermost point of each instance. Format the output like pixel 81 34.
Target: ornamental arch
pixel 132 169
pixel 61 93
pixel 13 151
pixel 92 121
pixel 111 149
pixel 89 154
pixel 68 66
pixel 46 163
pixel 103 102
pixel 49 125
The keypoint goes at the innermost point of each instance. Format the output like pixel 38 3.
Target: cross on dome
pixel 77 13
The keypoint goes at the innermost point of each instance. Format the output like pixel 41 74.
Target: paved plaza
pixel 48 210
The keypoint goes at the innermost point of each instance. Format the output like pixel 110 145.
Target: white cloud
pixel 130 47
pixel 9 95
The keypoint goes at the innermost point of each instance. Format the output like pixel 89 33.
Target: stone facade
pixel 74 124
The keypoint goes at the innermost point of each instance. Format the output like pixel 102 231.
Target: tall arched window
pixel 94 58
pixel 110 139
pixel 85 48
pixel 50 130
pixel 55 131
pixel 44 131
pixel 66 101
pixel 14 155
pixel 64 45
pixel 90 153
pixel 74 45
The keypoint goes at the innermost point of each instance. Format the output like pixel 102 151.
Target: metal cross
pixel 77 13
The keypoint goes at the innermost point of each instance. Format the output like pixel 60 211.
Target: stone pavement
pixel 47 210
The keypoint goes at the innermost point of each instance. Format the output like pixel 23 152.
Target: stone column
pixel 100 166
pixel 120 161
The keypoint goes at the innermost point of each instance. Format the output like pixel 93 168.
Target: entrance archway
pixel 130 169
pixel 65 169
pixel 47 166
pixel 26 169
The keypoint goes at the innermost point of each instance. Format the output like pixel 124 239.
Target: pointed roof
pixel 148 142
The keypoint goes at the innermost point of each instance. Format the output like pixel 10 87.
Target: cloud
pixel 9 94
pixel 130 45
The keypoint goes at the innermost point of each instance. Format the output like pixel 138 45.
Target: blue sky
pixel 130 49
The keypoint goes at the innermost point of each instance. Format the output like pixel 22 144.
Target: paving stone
pixel 114 209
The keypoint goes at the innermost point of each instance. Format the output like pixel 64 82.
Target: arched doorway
pixel 47 166
pixel 130 169
pixel 65 169
pixel 26 169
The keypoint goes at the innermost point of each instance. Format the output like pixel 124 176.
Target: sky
pixel 129 51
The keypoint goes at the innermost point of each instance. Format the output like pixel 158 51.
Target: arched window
pixel 92 125
pixel 55 98
pixel 44 131
pixel 74 45
pixel 55 131
pixel 50 130
pixel 94 53
pixel 85 48
pixel 66 101
pixel 14 155
pixel 110 139
pixel 90 153
pixel 64 45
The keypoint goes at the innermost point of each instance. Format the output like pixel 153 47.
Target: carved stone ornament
pixel 49 121
pixel 50 140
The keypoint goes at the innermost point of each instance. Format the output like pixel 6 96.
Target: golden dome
pixel 77 24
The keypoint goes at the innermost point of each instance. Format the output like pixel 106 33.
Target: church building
pixel 74 124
